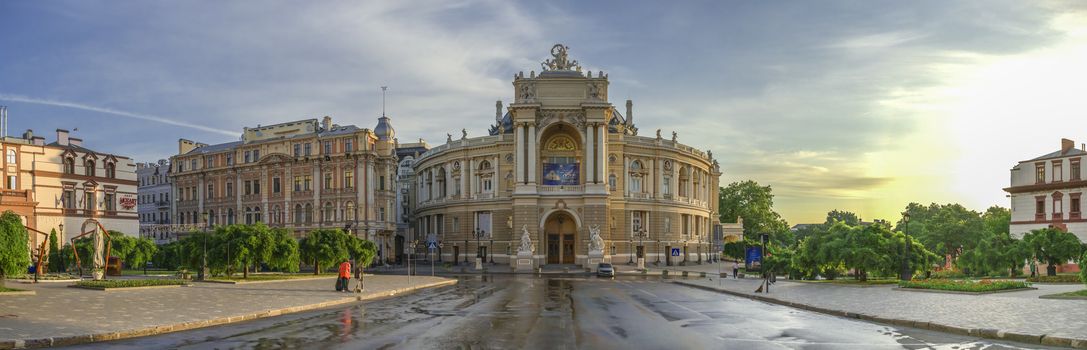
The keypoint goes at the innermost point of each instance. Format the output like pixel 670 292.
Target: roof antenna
pixel 383 88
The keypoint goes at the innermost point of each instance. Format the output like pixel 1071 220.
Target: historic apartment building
pixel 302 175
pixel 155 207
pixel 60 185
pixel 1047 192
pixel 561 159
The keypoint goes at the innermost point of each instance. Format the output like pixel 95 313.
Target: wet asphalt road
pixel 524 312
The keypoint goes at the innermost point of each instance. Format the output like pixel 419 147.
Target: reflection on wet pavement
pixel 524 312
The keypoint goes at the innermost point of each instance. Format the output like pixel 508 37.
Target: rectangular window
pixel 349 179
pixel 483 223
pixel 308 182
pixel 1039 206
pixel 256 186
pixel 297 183
pixel 307 147
pixel 247 156
pixel 348 145
pixel 328 147
pixel 381 183
pixel 1075 204
pixel 110 205
pixel 209 161
pixel 192 164
pixel 211 191
pixel 13 182
pixel 637 221
pixel 1039 173
pixel 88 201
pixel 229 159
pixel 297 150
pixel 68 199
pixel 1074 170
pixel 328 181
pixel 256 155
pixel 229 189
pixel 381 214
pixel 1058 174
pixel 275 185
pixel 247 187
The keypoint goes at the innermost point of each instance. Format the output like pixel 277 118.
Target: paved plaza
pixel 1015 314
pixel 60 315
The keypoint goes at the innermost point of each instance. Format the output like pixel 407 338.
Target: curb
pixel 129 288
pixel 975 332
pixel 46 281
pixel 266 281
pixel 922 290
pixel 156 330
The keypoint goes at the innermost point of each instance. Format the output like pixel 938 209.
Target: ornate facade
pixel 302 175
pixel 561 159
pixel 155 207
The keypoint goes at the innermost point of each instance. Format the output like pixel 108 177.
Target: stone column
pixel 602 151
pixel 519 140
pixel 590 165
pixel 533 153
pixel 288 210
pixel 318 183
pixel 471 178
pixel 265 212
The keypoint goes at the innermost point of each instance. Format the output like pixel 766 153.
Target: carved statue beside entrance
pixel 596 244
pixel 526 242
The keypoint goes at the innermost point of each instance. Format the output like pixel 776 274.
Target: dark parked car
pixel 605 270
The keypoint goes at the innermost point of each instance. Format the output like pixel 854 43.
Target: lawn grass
pixel 854 282
pixel 267 277
pixel 1079 293
pixel 5 289
pixel 964 285
pixel 131 283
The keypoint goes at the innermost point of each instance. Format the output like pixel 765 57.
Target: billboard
pixel 560 174
pixel 753 260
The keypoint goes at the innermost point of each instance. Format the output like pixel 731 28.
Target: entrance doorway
pixel 561 233
pixel 456 254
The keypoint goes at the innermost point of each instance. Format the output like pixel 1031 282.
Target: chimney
pixel 75 141
pixel 62 137
pixel 326 123
pixel 630 112
pixel 28 135
pixel 38 141
pixel 1067 145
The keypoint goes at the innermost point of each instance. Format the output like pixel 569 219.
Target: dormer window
pixel 111 170
pixel 69 166
pixel 88 168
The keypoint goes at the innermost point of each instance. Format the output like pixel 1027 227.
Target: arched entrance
pixel 560 230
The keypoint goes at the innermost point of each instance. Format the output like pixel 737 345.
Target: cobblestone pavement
pixel 1016 312
pixel 59 312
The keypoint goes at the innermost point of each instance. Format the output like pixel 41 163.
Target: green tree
pixel 134 252
pixel 324 247
pixel 14 252
pixel 56 258
pixel 947 230
pixel 168 256
pixel 847 217
pixel 285 253
pixel 1083 267
pixel 755 204
pixel 1052 246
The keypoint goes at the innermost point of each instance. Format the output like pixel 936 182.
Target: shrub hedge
pixel 131 283
pixel 1055 279
pixel 964 285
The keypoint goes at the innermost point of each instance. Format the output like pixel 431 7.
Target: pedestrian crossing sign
pixel 675 251
pixel 432 245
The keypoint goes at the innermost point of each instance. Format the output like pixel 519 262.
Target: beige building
pixel 302 175
pixel 65 183
pixel 561 159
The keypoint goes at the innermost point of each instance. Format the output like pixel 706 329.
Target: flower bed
pixel 1056 279
pixel 107 284
pixel 964 285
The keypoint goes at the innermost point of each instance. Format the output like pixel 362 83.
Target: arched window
pixel 111 170
pixel 89 168
pixel 636 177
pixel 611 182
pixel 486 177
pixel 69 165
pixel 328 214
pixel 684 179
pixel 248 216
pixel 230 216
pixel 211 217
pixel 309 213
pixel 298 213
pixel 12 158
pixel 441 183
pixel 256 215
pixel 349 210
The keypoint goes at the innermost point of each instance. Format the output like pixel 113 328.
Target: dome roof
pixel 384 129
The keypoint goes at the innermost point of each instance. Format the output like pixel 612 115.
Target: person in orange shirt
pixel 345 277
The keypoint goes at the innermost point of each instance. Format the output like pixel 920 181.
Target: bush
pixel 1083 268
pixel 130 283
pixel 1055 279
pixel 946 274
pixel 964 285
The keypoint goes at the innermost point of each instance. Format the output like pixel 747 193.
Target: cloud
pixel 147 117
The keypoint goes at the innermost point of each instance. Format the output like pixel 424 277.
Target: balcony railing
pixel 561 189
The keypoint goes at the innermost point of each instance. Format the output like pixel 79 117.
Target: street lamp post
pixel 479 235
pixel 658 252
pixel 907 273
pixel 465 251
pixel 490 252
pixel 630 251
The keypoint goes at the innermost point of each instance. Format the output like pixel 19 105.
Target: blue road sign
pixel 675 251
pixel 432 245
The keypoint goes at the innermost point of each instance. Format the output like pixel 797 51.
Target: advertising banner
pixel 127 201
pixel 753 262
pixel 560 174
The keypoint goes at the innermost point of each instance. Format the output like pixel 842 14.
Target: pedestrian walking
pixel 358 278
pixel 735 269
pixel 344 277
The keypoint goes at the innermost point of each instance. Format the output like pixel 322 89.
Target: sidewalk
pixel 59 315
pixel 1015 316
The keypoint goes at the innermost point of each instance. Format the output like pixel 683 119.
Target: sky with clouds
pixel 855 105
